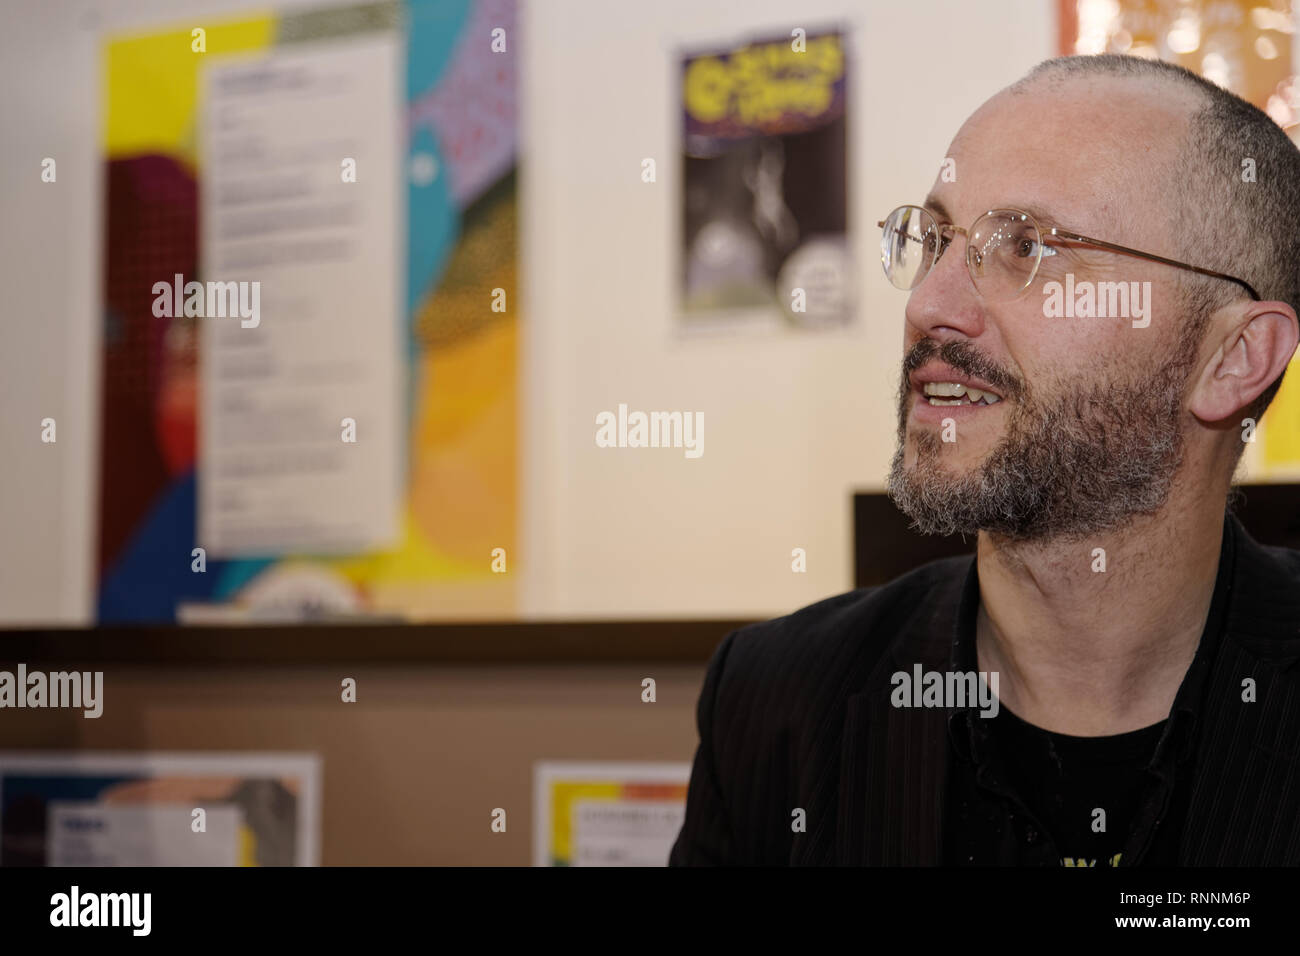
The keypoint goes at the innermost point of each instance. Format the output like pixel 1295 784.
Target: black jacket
pixel 795 714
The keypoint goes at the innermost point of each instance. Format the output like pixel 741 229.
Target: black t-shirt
pixel 1076 785
pixel 1034 802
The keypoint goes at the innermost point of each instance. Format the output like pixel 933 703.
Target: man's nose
pixel 945 305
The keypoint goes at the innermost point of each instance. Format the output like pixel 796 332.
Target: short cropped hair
pixel 1245 226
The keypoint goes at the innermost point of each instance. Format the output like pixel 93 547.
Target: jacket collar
pixel 894 760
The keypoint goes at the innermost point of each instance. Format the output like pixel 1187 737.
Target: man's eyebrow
pixel 938 208
pixel 1041 216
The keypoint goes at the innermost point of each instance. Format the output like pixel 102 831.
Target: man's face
pixel 1087 428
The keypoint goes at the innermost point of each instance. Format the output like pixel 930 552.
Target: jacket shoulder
pixel 840 639
pixel 1266 602
pixel 772 707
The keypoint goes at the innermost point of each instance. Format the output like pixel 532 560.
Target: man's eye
pixel 1027 248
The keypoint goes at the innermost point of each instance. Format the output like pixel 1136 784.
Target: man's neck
pixel 1091 653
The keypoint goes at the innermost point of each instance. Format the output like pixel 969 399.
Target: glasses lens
pixel 908 245
pixel 1002 253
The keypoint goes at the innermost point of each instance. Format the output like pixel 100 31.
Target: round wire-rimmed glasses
pixel 1004 248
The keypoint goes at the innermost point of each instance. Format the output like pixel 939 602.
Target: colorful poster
pixel 426 528
pixel 765 185
pixel 607 814
pixel 159 809
pixel 1279 430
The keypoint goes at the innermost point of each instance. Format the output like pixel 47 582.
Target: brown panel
pixel 560 642
pixel 413 769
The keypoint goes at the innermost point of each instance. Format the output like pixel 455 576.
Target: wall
pixel 793 424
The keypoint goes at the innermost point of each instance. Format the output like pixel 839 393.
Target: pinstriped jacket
pixel 795 713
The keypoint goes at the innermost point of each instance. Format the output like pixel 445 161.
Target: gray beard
pixel 1080 462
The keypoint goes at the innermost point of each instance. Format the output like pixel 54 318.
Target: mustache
pixel 966 359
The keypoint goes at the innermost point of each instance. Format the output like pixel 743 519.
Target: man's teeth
pixel 955 393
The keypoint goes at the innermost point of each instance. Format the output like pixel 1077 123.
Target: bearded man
pixel 1101 306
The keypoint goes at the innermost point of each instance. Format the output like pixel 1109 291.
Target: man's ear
pixel 1250 356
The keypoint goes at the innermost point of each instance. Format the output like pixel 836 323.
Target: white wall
pixel 792 424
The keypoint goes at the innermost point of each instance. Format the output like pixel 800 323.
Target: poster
pixel 120 809
pixel 1278 433
pixel 234 505
pixel 764 185
pixel 607 814
pixel 300 401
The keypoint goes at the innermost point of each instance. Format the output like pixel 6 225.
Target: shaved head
pixel 1231 184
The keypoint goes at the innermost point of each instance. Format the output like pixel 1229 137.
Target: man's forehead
pixel 1080 156
pixel 1071 208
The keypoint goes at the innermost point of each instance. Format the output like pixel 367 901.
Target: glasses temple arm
pixel 1152 256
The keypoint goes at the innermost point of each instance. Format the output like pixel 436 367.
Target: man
pixel 1100 298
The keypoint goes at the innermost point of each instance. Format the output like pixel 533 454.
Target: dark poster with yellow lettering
pixel 764 184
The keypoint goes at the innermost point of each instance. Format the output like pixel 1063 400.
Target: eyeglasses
pixel 1004 248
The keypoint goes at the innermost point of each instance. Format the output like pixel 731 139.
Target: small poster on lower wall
pixel 159 809
pixel 607 814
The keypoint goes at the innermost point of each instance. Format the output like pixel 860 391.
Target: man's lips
pixel 940 391
pixel 937 373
